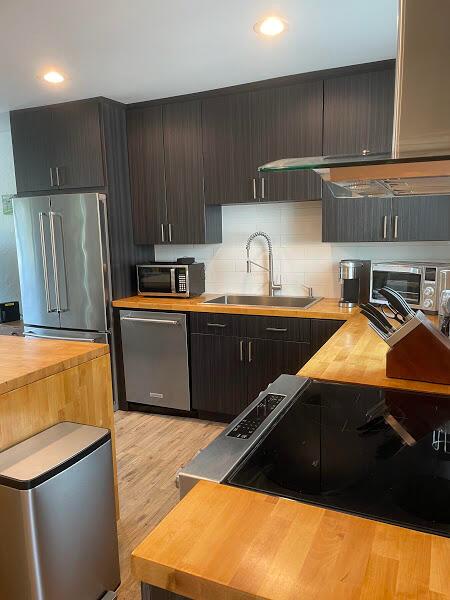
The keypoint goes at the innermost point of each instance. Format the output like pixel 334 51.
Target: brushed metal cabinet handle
pixel 163 239
pixel 170 232
pixel 241 350
pixel 57 176
pixel 254 188
pixel 385 227
pixel 52 183
pixel 216 325
pixel 263 188
pixel 250 352
pixel 283 329
pixel 396 227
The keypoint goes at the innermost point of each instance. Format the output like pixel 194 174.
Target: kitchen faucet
pixel 272 286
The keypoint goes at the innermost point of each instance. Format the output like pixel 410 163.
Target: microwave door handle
pixel 172 280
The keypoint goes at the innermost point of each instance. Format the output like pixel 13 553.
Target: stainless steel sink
pixel 286 301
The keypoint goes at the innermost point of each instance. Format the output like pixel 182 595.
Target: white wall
pixel 9 274
pixel 299 255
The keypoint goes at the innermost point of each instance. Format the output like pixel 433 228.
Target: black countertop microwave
pixel 171 279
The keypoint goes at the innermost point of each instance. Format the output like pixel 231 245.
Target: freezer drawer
pixel 155 356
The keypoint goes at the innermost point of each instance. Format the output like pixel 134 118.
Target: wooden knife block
pixel 422 355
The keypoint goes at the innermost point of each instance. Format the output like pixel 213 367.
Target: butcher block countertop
pixel 327 308
pixel 355 354
pixel 25 360
pixel 227 543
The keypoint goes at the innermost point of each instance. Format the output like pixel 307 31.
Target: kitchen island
pixel 228 543
pixel 43 382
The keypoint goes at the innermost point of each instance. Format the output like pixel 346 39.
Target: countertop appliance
pixel 171 279
pixel 338 446
pixel 418 282
pixel 58 517
pixel 64 267
pixel 419 160
pixel 9 312
pixel 354 276
pixel 155 358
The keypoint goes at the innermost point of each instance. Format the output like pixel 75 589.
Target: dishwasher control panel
pixel 250 423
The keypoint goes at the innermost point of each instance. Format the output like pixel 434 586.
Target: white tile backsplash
pixel 300 257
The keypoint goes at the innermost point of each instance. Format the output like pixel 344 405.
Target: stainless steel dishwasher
pixel 155 356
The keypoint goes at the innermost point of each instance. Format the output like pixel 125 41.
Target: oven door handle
pixel 399 269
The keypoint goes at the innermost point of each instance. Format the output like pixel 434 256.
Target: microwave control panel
pixel 182 282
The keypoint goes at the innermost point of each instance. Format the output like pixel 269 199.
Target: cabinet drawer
pixel 278 328
pixel 218 324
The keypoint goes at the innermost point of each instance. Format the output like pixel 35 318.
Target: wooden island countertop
pixel 225 543
pixel 24 360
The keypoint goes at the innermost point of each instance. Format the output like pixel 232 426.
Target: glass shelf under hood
pixel 317 163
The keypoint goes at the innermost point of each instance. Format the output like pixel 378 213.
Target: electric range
pixel 380 454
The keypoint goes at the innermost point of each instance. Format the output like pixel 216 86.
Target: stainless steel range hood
pixel 419 163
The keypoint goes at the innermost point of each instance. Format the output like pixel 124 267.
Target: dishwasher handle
pixel 159 321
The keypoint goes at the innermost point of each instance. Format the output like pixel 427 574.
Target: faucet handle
pixel 310 290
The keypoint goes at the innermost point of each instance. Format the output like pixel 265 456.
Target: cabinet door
pixel 78 159
pixel 421 218
pixel 184 172
pixel 358 113
pixel 321 331
pixel 287 122
pixel 146 160
pixel 355 219
pixel 230 175
pixel 267 359
pixel 218 385
pixel 33 149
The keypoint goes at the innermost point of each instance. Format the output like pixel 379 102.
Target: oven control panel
pixel 250 423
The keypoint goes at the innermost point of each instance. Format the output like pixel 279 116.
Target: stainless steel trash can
pixel 57 516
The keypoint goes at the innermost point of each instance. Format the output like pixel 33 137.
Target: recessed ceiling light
pixel 53 77
pixel 271 26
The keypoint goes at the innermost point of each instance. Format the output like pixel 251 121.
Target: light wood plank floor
pixel 150 450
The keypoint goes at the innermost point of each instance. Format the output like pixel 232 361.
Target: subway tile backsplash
pixel 300 257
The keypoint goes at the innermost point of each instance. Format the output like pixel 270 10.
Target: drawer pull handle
pixel 283 329
pixel 216 325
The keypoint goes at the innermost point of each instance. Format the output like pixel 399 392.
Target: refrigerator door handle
pixel 52 216
pixel 44 262
pixel 55 337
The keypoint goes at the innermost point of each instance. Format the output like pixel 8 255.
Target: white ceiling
pixel 134 50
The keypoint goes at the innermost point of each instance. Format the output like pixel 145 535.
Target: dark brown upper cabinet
pixel 358 113
pixel 147 174
pixel 230 174
pixel 287 123
pixel 245 130
pixel 398 219
pixel 58 147
pixel 166 170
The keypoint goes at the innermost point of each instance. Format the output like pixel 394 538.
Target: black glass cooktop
pixel 380 454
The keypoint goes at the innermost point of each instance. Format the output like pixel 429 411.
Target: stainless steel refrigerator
pixel 64 267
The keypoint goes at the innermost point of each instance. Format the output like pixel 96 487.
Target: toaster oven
pixel 417 282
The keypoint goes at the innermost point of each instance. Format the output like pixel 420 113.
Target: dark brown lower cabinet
pixel 229 372
pixel 321 331
pixel 267 359
pixel 218 384
pixel 150 592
